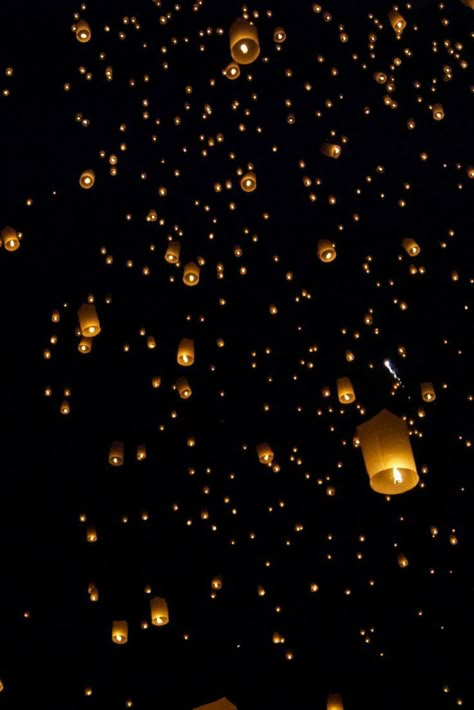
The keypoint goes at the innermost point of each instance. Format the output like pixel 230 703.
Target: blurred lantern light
pixel 183 387
pixel 173 251
pixel 279 35
pixel 87 179
pixel 83 31
pixel 428 393
pixel 120 632
pixel 116 453
pixel 397 21
pixel 85 345
pixel 331 150
pixel 10 238
pixel 248 182
pixel 265 453
pixel 185 356
pixel 334 702
pixel 402 560
pixel 411 247
pixel 232 71
pixel 326 251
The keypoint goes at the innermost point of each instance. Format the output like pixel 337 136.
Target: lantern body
pixel 186 352
pixel 345 390
pixel 279 35
pixel 248 182
pixel 335 702
pixel 232 71
pixel 65 407
pixel 265 453
pixel 216 582
pixel 244 44
pixel 222 704
pixel 159 611
pixel 191 274
pixel 397 21
pixel 141 452
pixel 151 342
pixel 438 112
pixel 411 247
pixel 173 251
pixel 120 632
pixel 87 179
pixel 387 453
pixel 83 31
pixel 88 320
pixel 116 454
pixel 331 150
pixel 325 250
pixel 85 345
pixel 402 560
pixel 91 534
pixel 428 393
pixel 10 237
pixel 183 387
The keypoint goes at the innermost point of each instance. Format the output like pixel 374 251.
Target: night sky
pixel 287 580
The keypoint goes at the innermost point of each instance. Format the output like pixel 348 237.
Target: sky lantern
pixel 244 44
pixel 183 387
pixel 87 179
pixel 326 251
pixel 120 632
pixel 173 251
pixel 428 393
pixel 397 21
pixel 411 247
pixel 265 453
pixel 438 112
pixel 334 702
pixel 345 390
pixel 279 35
pixel 216 582
pixel 83 31
pixel 116 453
pixel 185 356
pixel 232 71
pixel 248 182
pixel 402 560
pixel 85 345
pixel 88 320
pixel 331 150
pixel 159 611
pixel 387 453
pixel 11 239
pixel 191 274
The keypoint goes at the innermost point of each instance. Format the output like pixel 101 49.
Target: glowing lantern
pixel 438 112
pixel 65 407
pixel 279 35
pixel 397 21
pixel 428 393
pixel 155 382
pixel 141 452
pixel 151 342
pixel 222 704
pixel 83 31
pixel 334 702
pixel 191 274
pixel 93 592
pixel 232 71
pixel 244 44
pixel 120 632
pixel 216 582
pixel 411 247
pixel 87 179
pixel 173 251
pixel 345 390
pixel 116 454
pixel 265 453
pixel 184 390
pixel 326 251
pixel 85 345
pixel 402 560
pixel 10 237
pixel 387 453
pixel 91 534
pixel 88 320
pixel 331 150
pixel 185 352
pixel 248 182
pixel 159 611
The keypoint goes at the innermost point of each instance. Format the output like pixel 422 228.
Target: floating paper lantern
pixel 88 320
pixel 156 382
pixel 411 247
pixel 248 182
pixel 387 453
pixel 279 35
pixel 397 21
pixel 265 453
pixel 244 44
pixel 428 393
pixel 87 179
pixel 191 274
pixel 151 342
pixel 141 452
pixel 116 453
pixel 334 702
pixel 402 560
pixel 326 251
pixel 216 582
pixel 120 632
pixel 222 704
pixel 185 355
pixel 93 592
pixel 85 345
pixel 173 251
pixel 438 112
pixel 183 387
pixel 65 407
pixel 159 611
pixel 83 31
pixel 91 534
pixel 331 150
pixel 11 240
pixel 232 71
pixel 345 390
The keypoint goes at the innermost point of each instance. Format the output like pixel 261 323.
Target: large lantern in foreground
pixel 387 453
pixel 222 704
pixel 244 44
pixel 334 702
pixel 88 320
pixel 159 611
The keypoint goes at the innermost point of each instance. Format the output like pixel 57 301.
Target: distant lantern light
pixel 116 453
pixel 232 71
pixel 265 453
pixel 279 35
pixel 397 21
pixel 438 112
pixel 325 250
pixel 411 247
pixel 402 560
pixel 185 356
pixel 248 182
pixel 85 345
pixel 345 390
pixel 428 393
pixel 120 632
pixel 91 534
pixel 65 407
pixel 183 387
pixel 216 582
pixel 191 274
pixel 387 453
pixel 10 238
pixel 244 44
pixel 88 320
pixel 331 150
pixel 87 179
pixel 334 702
pixel 83 31
pixel 173 251
pixel 141 452
pixel 159 611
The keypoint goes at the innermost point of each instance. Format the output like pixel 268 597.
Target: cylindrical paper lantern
pixel 428 392
pixel 345 390
pixel 87 179
pixel 402 560
pixel 331 150
pixel 11 240
pixel 141 452
pixel 91 534
pixel 264 452
pixel 120 632
pixel 85 345
pixel 173 251
pixel 159 611
pixel 216 582
pixel 83 31
pixel 185 355
pixel 326 250
pixel 248 182
pixel 387 453
pixel 279 35
pixel 438 112
pixel 88 320
pixel 232 71
pixel 397 21
pixel 244 44
pixel 183 387
pixel 116 454
pixel 411 247
pixel 191 274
